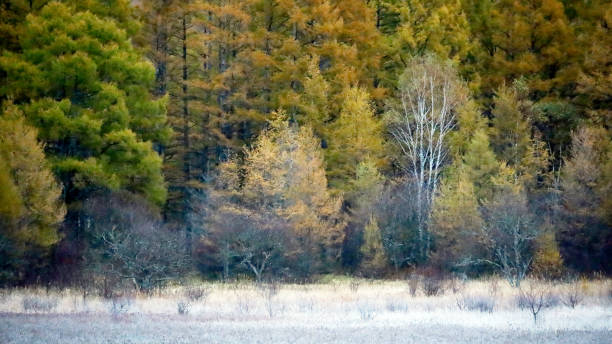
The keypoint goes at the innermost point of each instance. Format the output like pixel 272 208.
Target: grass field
pixel 340 311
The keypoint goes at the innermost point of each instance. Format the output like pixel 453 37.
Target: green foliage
pixel 87 90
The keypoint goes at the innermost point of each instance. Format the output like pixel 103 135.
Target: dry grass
pixel 358 308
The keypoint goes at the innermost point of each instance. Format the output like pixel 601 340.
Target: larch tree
pixel 281 188
pixel 585 234
pixel 456 221
pixel 419 27
pixel 31 208
pixel 354 137
pixel 514 138
pixel 594 83
pixel 529 38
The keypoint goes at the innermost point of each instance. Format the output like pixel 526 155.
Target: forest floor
pixel 339 311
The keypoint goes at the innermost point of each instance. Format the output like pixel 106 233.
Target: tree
pixel 398 221
pixel 356 135
pixel 510 228
pixel 129 245
pixel 586 234
pixel 513 137
pixel 374 260
pixel 531 38
pixel 84 86
pixel 481 165
pixel 456 221
pixel 30 200
pixel 415 28
pixel 593 21
pixel 281 186
pixel 421 119
pixel 365 191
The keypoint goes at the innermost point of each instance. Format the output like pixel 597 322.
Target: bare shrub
pixel 38 304
pixel 183 307
pixel 269 292
pixel 535 297
pixel 572 295
pixel 433 285
pixel 196 294
pixel 493 287
pixel 120 304
pixel 354 285
pixel 306 305
pixel 396 306
pixel 480 303
pixel 413 284
pixel 456 285
pixel 366 311
pixel 129 244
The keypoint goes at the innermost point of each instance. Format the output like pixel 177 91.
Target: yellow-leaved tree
pixel 278 195
pixel 30 204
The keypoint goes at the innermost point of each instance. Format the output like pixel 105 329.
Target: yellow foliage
pixel 547 261
pixel 31 206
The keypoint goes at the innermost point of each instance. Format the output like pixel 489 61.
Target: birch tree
pixel 419 122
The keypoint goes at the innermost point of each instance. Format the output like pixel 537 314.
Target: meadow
pixel 340 310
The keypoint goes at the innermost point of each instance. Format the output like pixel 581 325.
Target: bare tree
pixel 509 234
pixel 535 297
pixel 128 242
pixel 429 93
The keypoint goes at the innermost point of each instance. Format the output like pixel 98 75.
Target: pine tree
pixel 85 88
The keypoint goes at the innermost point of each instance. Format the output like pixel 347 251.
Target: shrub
pixel 535 297
pixel 183 307
pixel 197 293
pixel 120 304
pixel 38 304
pixel 396 306
pixel 413 284
pixel 366 311
pixel 433 285
pixel 572 295
pixel 476 303
pixel 269 292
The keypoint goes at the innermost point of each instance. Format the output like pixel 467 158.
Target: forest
pixel 147 142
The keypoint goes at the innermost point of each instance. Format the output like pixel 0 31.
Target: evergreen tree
pixel 85 88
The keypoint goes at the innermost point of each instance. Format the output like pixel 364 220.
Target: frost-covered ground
pixel 337 312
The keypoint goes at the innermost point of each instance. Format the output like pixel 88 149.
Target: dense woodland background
pixel 145 141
